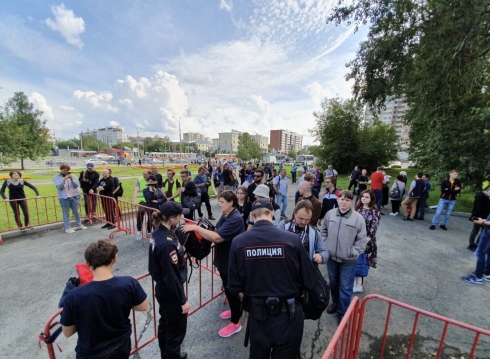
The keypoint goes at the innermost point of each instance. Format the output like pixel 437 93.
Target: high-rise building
pixel 284 141
pixel 228 141
pixel 191 136
pixel 393 114
pixel 109 135
pixel 263 141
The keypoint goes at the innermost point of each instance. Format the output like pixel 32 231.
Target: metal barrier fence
pixel 347 340
pixel 199 292
pixel 36 211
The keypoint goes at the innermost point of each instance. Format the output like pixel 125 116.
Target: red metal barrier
pixel 106 210
pixel 40 211
pixel 197 296
pixel 131 214
pixel 345 343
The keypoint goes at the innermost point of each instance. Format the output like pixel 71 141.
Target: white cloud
pixel 41 104
pixel 66 108
pixel 69 26
pixel 226 6
pixel 316 92
pixel 113 123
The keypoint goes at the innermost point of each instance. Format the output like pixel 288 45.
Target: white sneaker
pixel 81 227
pixel 357 289
pixel 392 214
pixel 138 236
pixel 69 230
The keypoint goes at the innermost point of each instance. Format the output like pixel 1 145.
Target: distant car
pixel 104 157
pixel 96 162
pixel 59 161
pixel 288 163
pixel 396 164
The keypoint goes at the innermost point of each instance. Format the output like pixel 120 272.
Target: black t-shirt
pixel 108 184
pixel 228 227
pixel 354 176
pixel 16 191
pixel 100 312
pixel 362 187
pixel 227 179
pixel 92 180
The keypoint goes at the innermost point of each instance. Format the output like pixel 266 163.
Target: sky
pixel 213 65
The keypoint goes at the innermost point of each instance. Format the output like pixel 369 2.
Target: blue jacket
pixel 60 186
pixel 315 241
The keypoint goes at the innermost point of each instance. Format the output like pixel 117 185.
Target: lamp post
pixel 138 139
pixel 180 140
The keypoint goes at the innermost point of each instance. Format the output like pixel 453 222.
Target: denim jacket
pixel 60 186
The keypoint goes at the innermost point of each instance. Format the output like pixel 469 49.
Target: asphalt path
pixel 416 266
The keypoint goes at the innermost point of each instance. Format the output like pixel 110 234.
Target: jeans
pixel 482 256
pixel 66 205
pixel 280 198
pixel 379 197
pixel 341 276
pixel 474 233
pixel 440 206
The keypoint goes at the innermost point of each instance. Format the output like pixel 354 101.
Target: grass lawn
pixel 43 211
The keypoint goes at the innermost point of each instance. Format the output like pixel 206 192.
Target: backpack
pixel 315 301
pixel 120 191
pixel 192 202
pixel 395 192
pixel 196 246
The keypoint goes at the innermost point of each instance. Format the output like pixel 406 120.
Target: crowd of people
pixel 253 236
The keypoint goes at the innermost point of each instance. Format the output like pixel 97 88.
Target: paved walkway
pixel 416 266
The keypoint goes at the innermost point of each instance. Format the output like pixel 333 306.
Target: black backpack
pixel 120 191
pixel 316 301
pixel 198 247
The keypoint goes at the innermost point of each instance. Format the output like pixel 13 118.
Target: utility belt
pixel 263 307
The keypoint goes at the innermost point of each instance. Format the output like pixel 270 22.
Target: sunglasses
pixel 257 176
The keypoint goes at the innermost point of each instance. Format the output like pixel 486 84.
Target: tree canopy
pixel 435 55
pixel 346 142
pixel 248 149
pixel 23 133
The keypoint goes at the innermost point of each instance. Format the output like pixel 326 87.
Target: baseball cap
pixel 171 208
pixel 90 165
pixel 262 190
pixel 250 177
pixel 403 173
pixel 262 203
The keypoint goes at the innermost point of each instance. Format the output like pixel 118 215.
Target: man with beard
pixel 258 180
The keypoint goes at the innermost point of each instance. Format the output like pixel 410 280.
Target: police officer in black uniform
pixel 271 267
pixel 168 269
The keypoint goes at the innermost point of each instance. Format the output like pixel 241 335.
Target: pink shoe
pixel 225 315
pixel 229 330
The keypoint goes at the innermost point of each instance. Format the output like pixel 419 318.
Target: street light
pixel 180 140
pixel 138 139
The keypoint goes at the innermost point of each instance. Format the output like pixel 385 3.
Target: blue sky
pixel 217 64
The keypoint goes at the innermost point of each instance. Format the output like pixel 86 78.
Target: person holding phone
pixel 482 271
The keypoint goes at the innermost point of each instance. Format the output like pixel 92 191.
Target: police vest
pixel 140 197
pixel 175 187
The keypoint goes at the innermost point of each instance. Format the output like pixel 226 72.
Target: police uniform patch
pixel 264 252
pixel 174 258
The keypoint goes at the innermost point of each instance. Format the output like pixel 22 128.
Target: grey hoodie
pixel 345 236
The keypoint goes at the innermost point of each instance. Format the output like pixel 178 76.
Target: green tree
pixel 23 132
pixel 248 149
pixel 90 143
pixel 435 55
pixel 345 142
pixel 292 154
pixel 68 144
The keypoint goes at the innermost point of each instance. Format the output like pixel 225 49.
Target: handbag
pixel 362 269
pixel 192 202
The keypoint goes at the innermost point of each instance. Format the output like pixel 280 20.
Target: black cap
pixel 171 208
pixel 262 203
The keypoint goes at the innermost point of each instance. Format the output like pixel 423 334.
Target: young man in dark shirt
pixel 89 179
pixel 99 311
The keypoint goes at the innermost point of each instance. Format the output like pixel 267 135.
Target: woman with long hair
pixel 366 206
pixel 167 267
pixel 17 196
pixel 228 227
pixel 244 205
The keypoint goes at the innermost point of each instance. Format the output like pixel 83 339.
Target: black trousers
pixel 172 326
pixel 15 207
pixel 234 301
pixel 93 203
pixel 293 177
pixel 140 217
pixel 205 199
pixel 395 205
pixel 474 232
pixel 352 183
pixel 276 337
pixel 110 210
pixel 386 195
pixel 121 352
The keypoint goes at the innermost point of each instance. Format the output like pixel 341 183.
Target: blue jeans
pixel 379 197
pixel 482 255
pixel 341 276
pixel 440 207
pixel 284 200
pixel 66 205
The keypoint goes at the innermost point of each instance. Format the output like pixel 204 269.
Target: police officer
pixel 167 267
pixel 271 268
